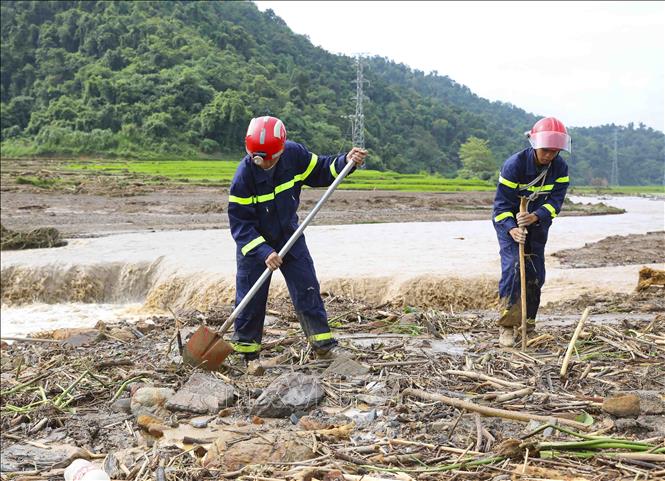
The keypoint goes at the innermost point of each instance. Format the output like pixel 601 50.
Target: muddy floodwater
pixel 125 276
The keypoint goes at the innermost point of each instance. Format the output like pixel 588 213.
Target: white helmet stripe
pixel 262 137
pixel 278 129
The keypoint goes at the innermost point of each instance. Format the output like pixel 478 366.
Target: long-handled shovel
pixel 206 348
pixel 523 201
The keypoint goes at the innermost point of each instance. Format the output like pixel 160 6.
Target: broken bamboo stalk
pixel 28 339
pixel 571 344
pixel 484 377
pixel 491 412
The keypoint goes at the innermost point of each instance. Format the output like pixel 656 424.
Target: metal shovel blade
pixel 206 349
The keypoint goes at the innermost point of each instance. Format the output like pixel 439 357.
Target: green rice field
pixel 220 172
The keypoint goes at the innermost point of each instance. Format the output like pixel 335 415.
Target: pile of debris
pixel 34 239
pixel 424 395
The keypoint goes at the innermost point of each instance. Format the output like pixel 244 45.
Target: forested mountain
pixel 183 79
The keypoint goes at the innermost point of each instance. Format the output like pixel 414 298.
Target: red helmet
pixel 549 133
pixel 265 137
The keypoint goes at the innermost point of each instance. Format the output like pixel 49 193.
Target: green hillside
pixel 182 79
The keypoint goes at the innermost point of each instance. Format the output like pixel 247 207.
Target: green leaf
pixel 584 418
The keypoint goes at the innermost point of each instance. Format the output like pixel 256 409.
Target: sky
pixel 586 63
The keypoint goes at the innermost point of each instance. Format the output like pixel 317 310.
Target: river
pixel 126 276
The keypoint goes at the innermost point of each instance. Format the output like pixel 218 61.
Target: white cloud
pixel 589 63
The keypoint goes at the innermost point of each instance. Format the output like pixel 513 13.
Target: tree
pixel 477 160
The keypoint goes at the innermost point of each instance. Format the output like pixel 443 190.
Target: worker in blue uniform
pixel 263 200
pixel 540 174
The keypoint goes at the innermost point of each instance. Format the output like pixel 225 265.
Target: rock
pixel 254 368
pixel 308 423
pixel 126 457
pixel 643 426
pixel 622 406
pixel 84 338
pixel 234 452
pixel 145 326
pixel 651 402
pixel 288 393
pixel 122 334
pixel 202 393
pixel 345 367
pixel 200 423
pixel 122 405
pixel 20 457
pixel 151 400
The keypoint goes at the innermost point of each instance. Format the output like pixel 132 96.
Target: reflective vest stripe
pixel 512 185
pixel 551 209
pixel 285 186
pixel 544 188
pixel 310 168
pixel 563 179
pixel 503 215
pixel 257 199
pixel 252 244
pixel 246 347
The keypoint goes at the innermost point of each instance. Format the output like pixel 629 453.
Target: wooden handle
pixel 523 201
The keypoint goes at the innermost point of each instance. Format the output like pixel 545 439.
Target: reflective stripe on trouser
pixel 509 285
pixel 305 293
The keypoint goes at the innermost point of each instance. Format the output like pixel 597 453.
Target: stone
pixel 287 394
pixel 255 368
pixel 81 339
pixel 114 461
pixel 202 393
pixel 122 334
pixel 345 367
pixel 122 405
pixel 622 406
pixel 22 457
pixel 233 451
pixel 151 400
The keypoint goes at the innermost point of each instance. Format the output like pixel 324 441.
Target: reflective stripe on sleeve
pixel 551 209
pixel 512 185
pixel 563 179
pixel 503 215
pixel 333 170
pixel 321 337
pixel 242 200
pixel 246 347
pixel 252 244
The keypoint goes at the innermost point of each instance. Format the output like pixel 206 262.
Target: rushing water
pixel 106 278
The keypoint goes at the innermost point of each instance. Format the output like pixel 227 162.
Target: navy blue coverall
pixel 547 196
pixel 262 215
